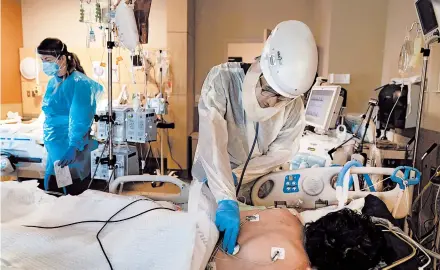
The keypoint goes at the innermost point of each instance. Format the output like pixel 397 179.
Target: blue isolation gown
pixel 69 106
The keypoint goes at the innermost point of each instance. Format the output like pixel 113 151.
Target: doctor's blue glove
pixel 227 219
pixel 69 157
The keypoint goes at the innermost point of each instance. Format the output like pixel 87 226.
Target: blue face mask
pixel 50 68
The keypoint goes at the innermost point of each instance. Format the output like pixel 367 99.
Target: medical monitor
pixel 428 12
pixel 323 106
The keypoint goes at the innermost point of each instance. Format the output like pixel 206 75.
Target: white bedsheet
pixel 33 130
pixel 156 240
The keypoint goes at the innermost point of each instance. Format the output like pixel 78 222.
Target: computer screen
pixel 427 16
pixel 321 106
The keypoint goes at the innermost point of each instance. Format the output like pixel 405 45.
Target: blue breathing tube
pixel 345 168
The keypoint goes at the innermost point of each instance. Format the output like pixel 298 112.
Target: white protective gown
pixel 226 133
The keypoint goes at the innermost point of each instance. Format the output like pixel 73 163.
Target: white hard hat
pixel 290 59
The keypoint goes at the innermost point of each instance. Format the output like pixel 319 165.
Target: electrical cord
pixel 146 158
pixel 419 196
pixel 437 235
pixel 171 152
pixel 110 178
pixel 429 232
pixel 99 160
pixel 426 187
pixel 157 160
pixel 420 248
pixel 391 112
pixel 409 239
pixel 105 224
pixel 402 260
pixel 248 159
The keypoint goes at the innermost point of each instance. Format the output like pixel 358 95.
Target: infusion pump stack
pixel 129 128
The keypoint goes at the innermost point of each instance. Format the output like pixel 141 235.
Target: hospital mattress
pixel 33 130
pixel 159 239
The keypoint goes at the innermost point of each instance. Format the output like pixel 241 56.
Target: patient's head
pixel 344 240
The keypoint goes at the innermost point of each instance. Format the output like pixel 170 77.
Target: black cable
pixel 427 198
pixel 105 223
pixel 99 160
pixel 102 228
pixel 147 159
pixel 97 221
pixel 157 160
pixel 171 153
pixel 424 226
pixel 367 125
pixel 110 179
pixel 434 227
pixel 248 159
pixel 391 112
pixel 354 135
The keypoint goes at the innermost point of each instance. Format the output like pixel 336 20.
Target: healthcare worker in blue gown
pixel 237 103
pixel 69 106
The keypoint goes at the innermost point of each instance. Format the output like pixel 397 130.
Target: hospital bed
pixel 187 234
pixel 22 152
pixel 177 234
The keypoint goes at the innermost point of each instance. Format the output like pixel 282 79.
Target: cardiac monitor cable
pixel 105 223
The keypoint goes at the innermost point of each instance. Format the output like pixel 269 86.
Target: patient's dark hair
pixel 55 47
pixel 344 240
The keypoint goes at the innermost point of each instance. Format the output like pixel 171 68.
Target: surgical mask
pixel 50 68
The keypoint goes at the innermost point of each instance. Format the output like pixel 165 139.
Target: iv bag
pixel 406 53
pixel 417 55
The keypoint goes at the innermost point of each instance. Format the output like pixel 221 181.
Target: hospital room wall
pixel 322 15
pixel 12 37
pixel 401 14
pixel 350 35
pixel 219 23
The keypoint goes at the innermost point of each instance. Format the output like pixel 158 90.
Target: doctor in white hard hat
pixel 239 103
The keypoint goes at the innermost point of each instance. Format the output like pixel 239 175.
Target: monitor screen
pixel 319 106
pixel 426 15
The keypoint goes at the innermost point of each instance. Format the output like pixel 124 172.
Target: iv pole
pixel 426 52
pixel 110 45
pixel 162 133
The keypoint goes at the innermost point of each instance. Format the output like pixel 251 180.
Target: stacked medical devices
pixel 129 127
pixel 323 108
pixel 122 126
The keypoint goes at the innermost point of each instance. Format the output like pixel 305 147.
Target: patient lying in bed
pixel 275 228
